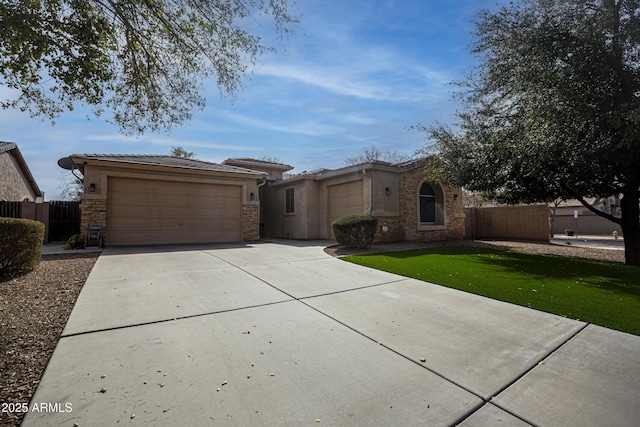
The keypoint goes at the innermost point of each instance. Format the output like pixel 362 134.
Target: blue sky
pixel 356 73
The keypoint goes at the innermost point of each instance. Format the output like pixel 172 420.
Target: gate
pixel 64 220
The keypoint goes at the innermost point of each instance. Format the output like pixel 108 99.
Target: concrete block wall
pixel 526 222
pixel 586 224
pixel 37 212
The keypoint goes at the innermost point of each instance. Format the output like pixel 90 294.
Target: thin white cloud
pixel 325 80
pixel 358 119
pixel 307 127
pixel 376 75
pixel 168 142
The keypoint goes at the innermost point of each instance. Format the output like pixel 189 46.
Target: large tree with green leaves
pixel 146 60
pixel 553 109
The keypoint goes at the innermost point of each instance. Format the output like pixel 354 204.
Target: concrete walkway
pixel 58 248
pixel 282 334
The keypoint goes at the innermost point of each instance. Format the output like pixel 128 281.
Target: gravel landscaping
pixel 34 308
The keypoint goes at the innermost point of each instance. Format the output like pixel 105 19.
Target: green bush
pixel 20 245
pixel 74 242
pixel 357 231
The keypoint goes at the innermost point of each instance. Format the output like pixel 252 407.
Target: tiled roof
pixel 6 146
pixel 165 160
pixel 321 174
pixel 412 162
pixel 248 160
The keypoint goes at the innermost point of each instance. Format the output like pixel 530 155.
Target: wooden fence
pixel 10 209
pixel 61 218
pixel 64 220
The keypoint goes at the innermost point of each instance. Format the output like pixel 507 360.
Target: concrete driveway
pixel 282 334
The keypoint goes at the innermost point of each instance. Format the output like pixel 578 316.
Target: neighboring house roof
pixel 412 163
pixel 12 149
pixel 315 172
pixel 321 174
pixel 159 160
pixel 249 162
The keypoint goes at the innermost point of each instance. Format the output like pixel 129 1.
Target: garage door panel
pixel 179 208
pixel 345 199
pixel 166 212
pixel 170 237
pixel 134 223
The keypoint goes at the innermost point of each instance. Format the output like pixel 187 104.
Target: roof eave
pixel 25 169
pixel 81 160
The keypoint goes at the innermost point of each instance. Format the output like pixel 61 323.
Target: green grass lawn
pixel 601 293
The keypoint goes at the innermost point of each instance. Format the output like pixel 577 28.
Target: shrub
pixel 355 230
pixel 20 245
pixel 74 242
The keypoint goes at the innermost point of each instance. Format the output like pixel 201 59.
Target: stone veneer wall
pixel 93 211
pixel 454 225
pixel 251 222
pixel 395 232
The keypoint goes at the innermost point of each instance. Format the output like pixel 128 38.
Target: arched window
pixel 428 204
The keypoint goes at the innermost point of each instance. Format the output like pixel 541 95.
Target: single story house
pixel 146 200
pixel 154 199
pixel 17 184
pixel 407 205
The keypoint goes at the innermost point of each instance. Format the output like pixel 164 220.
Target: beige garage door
pixel 344 199
pixel 148 212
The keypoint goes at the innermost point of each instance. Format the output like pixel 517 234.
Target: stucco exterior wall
pixel 312 209
pixel 384 193
pixel 304 223
pixel 98 175
pixel 13 183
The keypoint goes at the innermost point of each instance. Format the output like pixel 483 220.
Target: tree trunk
pixel 630 223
